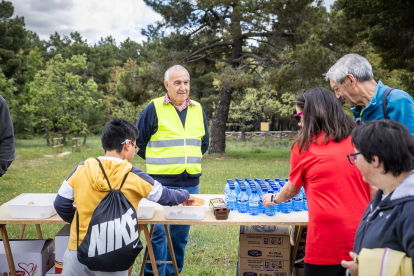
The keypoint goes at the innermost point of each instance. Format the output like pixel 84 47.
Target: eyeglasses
pixel 298 116
pixel 132 143
pixel 352 158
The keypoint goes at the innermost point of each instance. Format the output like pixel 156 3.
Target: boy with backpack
pixel 104 238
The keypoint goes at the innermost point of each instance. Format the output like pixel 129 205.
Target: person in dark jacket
pixel 384 154
pixel 6 137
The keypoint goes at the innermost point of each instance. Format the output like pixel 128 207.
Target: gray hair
pixel 352 64
pixel 174 67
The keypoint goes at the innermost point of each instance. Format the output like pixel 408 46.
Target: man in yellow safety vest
pixel 173 138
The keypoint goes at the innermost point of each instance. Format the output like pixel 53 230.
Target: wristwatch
pixel 272 199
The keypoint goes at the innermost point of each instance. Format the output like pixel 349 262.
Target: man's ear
pixel 166 85
pixel 352 80
pixel 376 161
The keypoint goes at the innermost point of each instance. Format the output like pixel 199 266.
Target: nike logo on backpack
pixel 135 245
pixel 108 236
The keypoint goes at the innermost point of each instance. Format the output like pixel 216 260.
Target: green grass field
pixel 211 250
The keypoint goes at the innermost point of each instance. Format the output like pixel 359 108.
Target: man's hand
pixel 190 201
pixel 266 200
pixel 351 266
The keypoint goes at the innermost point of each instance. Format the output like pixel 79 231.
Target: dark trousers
pixel 323 270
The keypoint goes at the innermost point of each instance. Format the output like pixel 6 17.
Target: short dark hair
pixel 322 113
pixel 117 131
pixel 390 140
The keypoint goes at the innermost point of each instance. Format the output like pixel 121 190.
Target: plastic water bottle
pixel 297 202
pixel 237 185
pixel 270 210
pixel 231 197
pixel 254 203
pixel 286 180
pixel 305 201
pixel 263 189
pixel 226 187
pixel 281 183
pixel 243 201
pixel 276 190
pixel 286 206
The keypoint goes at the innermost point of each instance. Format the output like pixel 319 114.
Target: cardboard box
pixel 61 244
pixel 52 272
pixel 251 252
pixel 265 229
pixel 31 257
pixel 246 272
pixel 261 264
pixel 274 241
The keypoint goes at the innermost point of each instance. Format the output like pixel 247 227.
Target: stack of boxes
pixel 264 251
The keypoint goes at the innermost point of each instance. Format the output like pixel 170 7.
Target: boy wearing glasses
pixel 87 186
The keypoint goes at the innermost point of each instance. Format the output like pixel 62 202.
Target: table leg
pixel 146 250
pixel 295 248
pixel 39 232
pixel 22 227
pixel 150 250
pixel 7 249
pixel 170 246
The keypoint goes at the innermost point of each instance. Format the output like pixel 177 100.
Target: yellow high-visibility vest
pixel 173 148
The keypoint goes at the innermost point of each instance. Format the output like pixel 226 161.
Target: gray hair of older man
pixel 352 64
pixel 175 67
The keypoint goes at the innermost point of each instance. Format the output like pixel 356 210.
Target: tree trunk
pixel 243 129
pixel 84 138
pixel 47 134
pixel 218 127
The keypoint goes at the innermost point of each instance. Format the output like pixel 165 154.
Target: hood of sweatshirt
pixel 115 170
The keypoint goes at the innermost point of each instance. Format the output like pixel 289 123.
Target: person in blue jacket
pixel 352 80
pixel 384 154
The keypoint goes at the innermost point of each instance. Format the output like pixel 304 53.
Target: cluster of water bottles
pixel 246 197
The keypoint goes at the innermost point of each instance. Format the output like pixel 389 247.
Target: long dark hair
pixel 322 113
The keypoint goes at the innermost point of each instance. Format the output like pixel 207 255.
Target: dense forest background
pixel 247 60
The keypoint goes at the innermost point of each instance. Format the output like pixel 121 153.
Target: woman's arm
pixel 287 192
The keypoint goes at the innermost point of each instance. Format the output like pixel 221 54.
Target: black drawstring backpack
pixel 112 242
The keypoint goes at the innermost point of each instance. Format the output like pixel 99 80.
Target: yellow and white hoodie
pixel 86 186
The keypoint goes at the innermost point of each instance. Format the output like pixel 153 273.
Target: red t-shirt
pixel 337 198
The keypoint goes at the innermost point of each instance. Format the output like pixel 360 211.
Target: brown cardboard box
pixel 251 252
pixel 265 229
pixel 274 241
pixel 261 264
pixel 247 272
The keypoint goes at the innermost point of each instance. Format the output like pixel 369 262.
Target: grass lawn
pixel 211 250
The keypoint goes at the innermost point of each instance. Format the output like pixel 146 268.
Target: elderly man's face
pixel 346 91
pixel 179 86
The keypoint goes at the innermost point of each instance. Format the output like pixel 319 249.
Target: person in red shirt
pixel 337 196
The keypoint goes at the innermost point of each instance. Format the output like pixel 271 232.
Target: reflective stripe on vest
pixel 174 143
pixel 173 148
